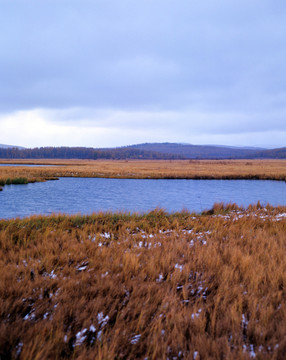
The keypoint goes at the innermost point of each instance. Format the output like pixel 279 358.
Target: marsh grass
pixel 155 169
pixel 17 181
pixel 156 286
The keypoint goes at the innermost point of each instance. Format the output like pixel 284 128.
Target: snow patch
pixel 180 267
pixel 80 337
pixel 19 347
pixel 135 339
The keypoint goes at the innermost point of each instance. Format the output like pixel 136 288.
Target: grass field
pixel 185 169
pixel 153 286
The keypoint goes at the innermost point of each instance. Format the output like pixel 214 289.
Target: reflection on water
pixel 81 195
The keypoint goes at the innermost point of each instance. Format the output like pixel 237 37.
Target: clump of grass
pixel 155 286
pixel 221 208
pixel 19 181
pixel 15 181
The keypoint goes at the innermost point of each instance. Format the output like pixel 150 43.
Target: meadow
pixel 152 286
pixel 142 169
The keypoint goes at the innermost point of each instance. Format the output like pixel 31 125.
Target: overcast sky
pixel 116 72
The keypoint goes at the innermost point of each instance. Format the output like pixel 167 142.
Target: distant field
pixel 156 286
pixel 154 169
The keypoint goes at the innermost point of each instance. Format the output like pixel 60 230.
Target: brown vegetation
pixel 185 169
pixel 156 286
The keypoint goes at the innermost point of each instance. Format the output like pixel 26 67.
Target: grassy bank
pixel 14 181
pixel 186 169
pixel 17 178
pixel 156 286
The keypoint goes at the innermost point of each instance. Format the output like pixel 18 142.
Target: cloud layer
pixel 206 70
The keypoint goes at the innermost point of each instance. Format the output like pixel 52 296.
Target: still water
pixel 82 195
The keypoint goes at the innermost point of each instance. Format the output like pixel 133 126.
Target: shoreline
pixel 217 209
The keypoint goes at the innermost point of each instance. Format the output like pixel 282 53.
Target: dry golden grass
pixel 156 286
pixel 185 169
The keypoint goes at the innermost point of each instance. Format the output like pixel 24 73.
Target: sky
pixel 104 73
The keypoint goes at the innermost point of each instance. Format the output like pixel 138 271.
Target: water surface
pixel 87 195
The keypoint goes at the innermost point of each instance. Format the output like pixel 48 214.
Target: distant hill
pixel 279 153
pixel 147 151
pixel 3 146
pixel 189 151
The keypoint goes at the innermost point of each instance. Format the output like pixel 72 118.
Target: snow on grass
pixel 102 320
pixel 280 217
pixel 19 347
pixel 51 275
pixel 92 238
pixel 82 266
pixel 180 267
pixel 135 339
pixel 80 337
pixel 83 334
pixel 244 322
pixel 30 316
pixel 92 328
pixel 196 315
pixel 250 350
pixel 160 278
pixel 46 315
pixel 196 355
pixel 106 235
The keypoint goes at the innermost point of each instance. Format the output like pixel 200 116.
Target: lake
pixel 87 195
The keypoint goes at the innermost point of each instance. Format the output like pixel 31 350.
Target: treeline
pixel 271 154
pixel 160 151
pixel 83 153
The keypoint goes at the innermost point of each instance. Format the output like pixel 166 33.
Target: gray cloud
pixel 212 66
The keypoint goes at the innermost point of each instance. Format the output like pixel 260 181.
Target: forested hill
pixel 83 153
pixel 279 153
pixel 159 151
pixel 189 151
